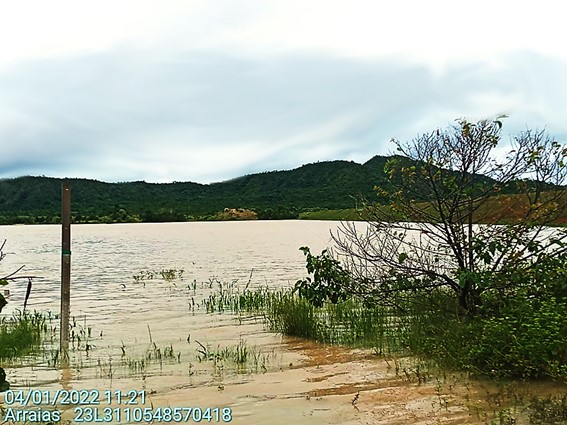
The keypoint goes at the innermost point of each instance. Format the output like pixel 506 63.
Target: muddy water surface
pixel 154 335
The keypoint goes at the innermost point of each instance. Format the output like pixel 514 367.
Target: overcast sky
pixel 204 91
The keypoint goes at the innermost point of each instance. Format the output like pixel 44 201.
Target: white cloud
pixel 36 29
pixel 204 91
pixel 436 32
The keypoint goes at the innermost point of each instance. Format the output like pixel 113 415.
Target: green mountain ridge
pixel 274 194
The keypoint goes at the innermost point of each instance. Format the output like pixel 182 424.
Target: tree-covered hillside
pixel 329 185
pixel 275 194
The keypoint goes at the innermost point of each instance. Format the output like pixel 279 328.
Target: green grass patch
pixel 21 334
pixel 341 214
pixel 525 338
pixel 347 323
pixel 242 357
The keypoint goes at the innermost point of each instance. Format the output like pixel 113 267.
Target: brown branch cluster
pixel 446 183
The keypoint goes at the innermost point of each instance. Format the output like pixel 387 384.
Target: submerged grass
pixel 21 334
pixel 141 365
pixel 427 326
pixel 167 275
pixel 244 358
pixel 548 410
pixel 347 323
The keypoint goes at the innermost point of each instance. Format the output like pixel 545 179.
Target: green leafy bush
pixel 527 339
pixel 330 281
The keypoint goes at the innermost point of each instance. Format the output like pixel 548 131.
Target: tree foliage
pixel 426 237
pixel 330 281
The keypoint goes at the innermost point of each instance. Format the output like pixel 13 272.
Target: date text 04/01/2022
pixel 36 397
pixel 30 406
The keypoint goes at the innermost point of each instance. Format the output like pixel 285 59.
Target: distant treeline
pixel 332 185
pixel 120 215
pixel 272 195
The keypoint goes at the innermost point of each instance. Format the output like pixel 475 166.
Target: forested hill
pixel 275 194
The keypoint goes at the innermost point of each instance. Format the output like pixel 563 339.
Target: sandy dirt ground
pixel 333 385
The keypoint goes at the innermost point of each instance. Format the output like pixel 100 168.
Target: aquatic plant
pixel 153 355
pixel 167 275
pixel 241 356
pixel 21 334
pixel 548 410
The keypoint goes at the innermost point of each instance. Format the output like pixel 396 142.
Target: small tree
pixel 446 182
pixel 12 277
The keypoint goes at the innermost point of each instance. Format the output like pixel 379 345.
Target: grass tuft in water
pixel 21 334
pixel 347 323
pixel 167 275
pixel 243 358
pixel 139 365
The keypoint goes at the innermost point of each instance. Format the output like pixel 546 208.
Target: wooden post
pixel 65 269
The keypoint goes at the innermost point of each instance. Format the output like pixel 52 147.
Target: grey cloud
pixel 208 116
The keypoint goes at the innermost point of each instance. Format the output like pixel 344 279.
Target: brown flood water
pixel 148 336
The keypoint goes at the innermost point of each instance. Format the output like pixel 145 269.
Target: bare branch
pixel 446 182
